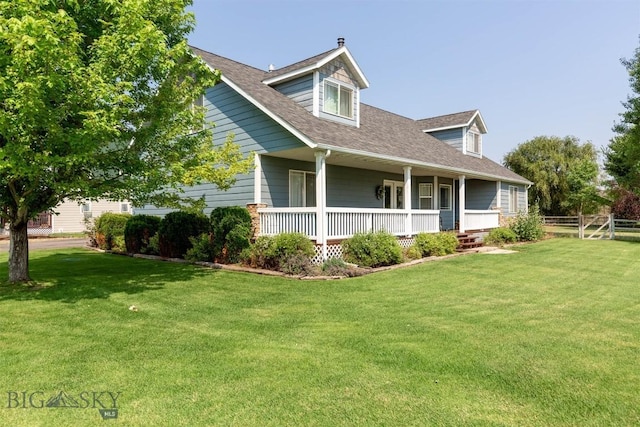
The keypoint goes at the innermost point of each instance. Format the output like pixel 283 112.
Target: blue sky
pixel 531 67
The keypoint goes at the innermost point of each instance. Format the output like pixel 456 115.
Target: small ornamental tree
pixel 626 204
pixel 96 102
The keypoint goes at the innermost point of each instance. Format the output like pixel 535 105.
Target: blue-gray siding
pixel 300 90
pixel 452 137
pixel 504 198
pixel 254 132
pixel 481 195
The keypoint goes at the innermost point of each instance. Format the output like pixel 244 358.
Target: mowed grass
pixel 547 336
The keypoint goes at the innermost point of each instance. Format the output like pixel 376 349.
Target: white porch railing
pixel 481 219
pixel 342 223
pixel 288 220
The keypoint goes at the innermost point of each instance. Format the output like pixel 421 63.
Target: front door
pixel 393 196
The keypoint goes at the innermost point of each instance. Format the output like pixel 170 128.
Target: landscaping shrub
pixel 109 230
pixel 202 248
pixel 500 236
pixel 337 267
pixel 175 230
pixel 372 249
pixel 138 230
pixel 284 252
pixel 528 226
pixel 297 264
pixel 260 254
pixel 231 227
pixel 413 252
pixel 438 244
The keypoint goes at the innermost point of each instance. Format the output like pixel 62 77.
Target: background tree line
pixel 566 177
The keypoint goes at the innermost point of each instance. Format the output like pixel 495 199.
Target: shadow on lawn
pixel 74 275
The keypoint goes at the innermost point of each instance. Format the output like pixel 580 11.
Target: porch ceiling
pixel 369 163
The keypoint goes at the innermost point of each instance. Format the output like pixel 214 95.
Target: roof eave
pixel 360 77
pixel 410 162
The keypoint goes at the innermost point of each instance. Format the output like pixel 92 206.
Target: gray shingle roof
pixel 381 133
pixel 448 120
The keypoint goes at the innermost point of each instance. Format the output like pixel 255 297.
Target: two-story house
pixel 329 166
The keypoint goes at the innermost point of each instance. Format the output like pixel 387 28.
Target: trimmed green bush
pixel 201 249
pixel 372 249
pixel 288 252
pixel 436 244
pixel 413 252
pixel 260 254
pixel 109 230
pixel 138 230
pixel 528 226
pixel 500 236
pixel 231 227
pixel 175 230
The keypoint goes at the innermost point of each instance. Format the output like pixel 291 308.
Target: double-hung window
pixel 338 99
pixel 513 199
pixel 445 197
pixel 425 194
pixel 473 142
pixel 85 208
pixel 302 189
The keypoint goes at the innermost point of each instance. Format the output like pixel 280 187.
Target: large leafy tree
pixel 622 156
pixel 95 101
pixel 547 161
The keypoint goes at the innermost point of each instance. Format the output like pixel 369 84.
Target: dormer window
pixel 338 99
pixel 474 142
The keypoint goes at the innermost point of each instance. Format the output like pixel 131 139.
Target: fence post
pixel 580 227
pixel 612 226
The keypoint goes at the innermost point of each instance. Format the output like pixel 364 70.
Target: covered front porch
pixel 416 200
pixel 342 223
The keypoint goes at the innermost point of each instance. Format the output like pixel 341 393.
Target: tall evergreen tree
pixel 622 156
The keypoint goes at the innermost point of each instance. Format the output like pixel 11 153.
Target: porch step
pixel 466 242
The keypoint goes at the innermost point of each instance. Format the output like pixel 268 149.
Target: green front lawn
pixel 546 336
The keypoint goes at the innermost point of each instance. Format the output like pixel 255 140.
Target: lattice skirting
pixel 334 250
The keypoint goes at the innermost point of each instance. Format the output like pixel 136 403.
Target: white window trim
pixel 393 203
pixel 420 197
pixel 304 181
pixel 449 188
pixel 478 140
pixel 514 201
pixel 128 210
pixel 340 85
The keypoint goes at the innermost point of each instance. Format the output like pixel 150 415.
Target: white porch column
pixel 406 193
pixel 461 198
pixel 321 200
pixel 257 179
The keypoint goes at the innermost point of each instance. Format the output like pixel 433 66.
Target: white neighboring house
pixel 71 217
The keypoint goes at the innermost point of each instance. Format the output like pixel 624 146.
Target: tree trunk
pixel 19 253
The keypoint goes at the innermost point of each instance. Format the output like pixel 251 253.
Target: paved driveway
pixel 45 243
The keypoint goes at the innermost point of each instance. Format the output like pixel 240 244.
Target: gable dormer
pixel 463 131
pixel 327 85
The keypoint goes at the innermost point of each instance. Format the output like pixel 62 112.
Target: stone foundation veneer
pixel 255 218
